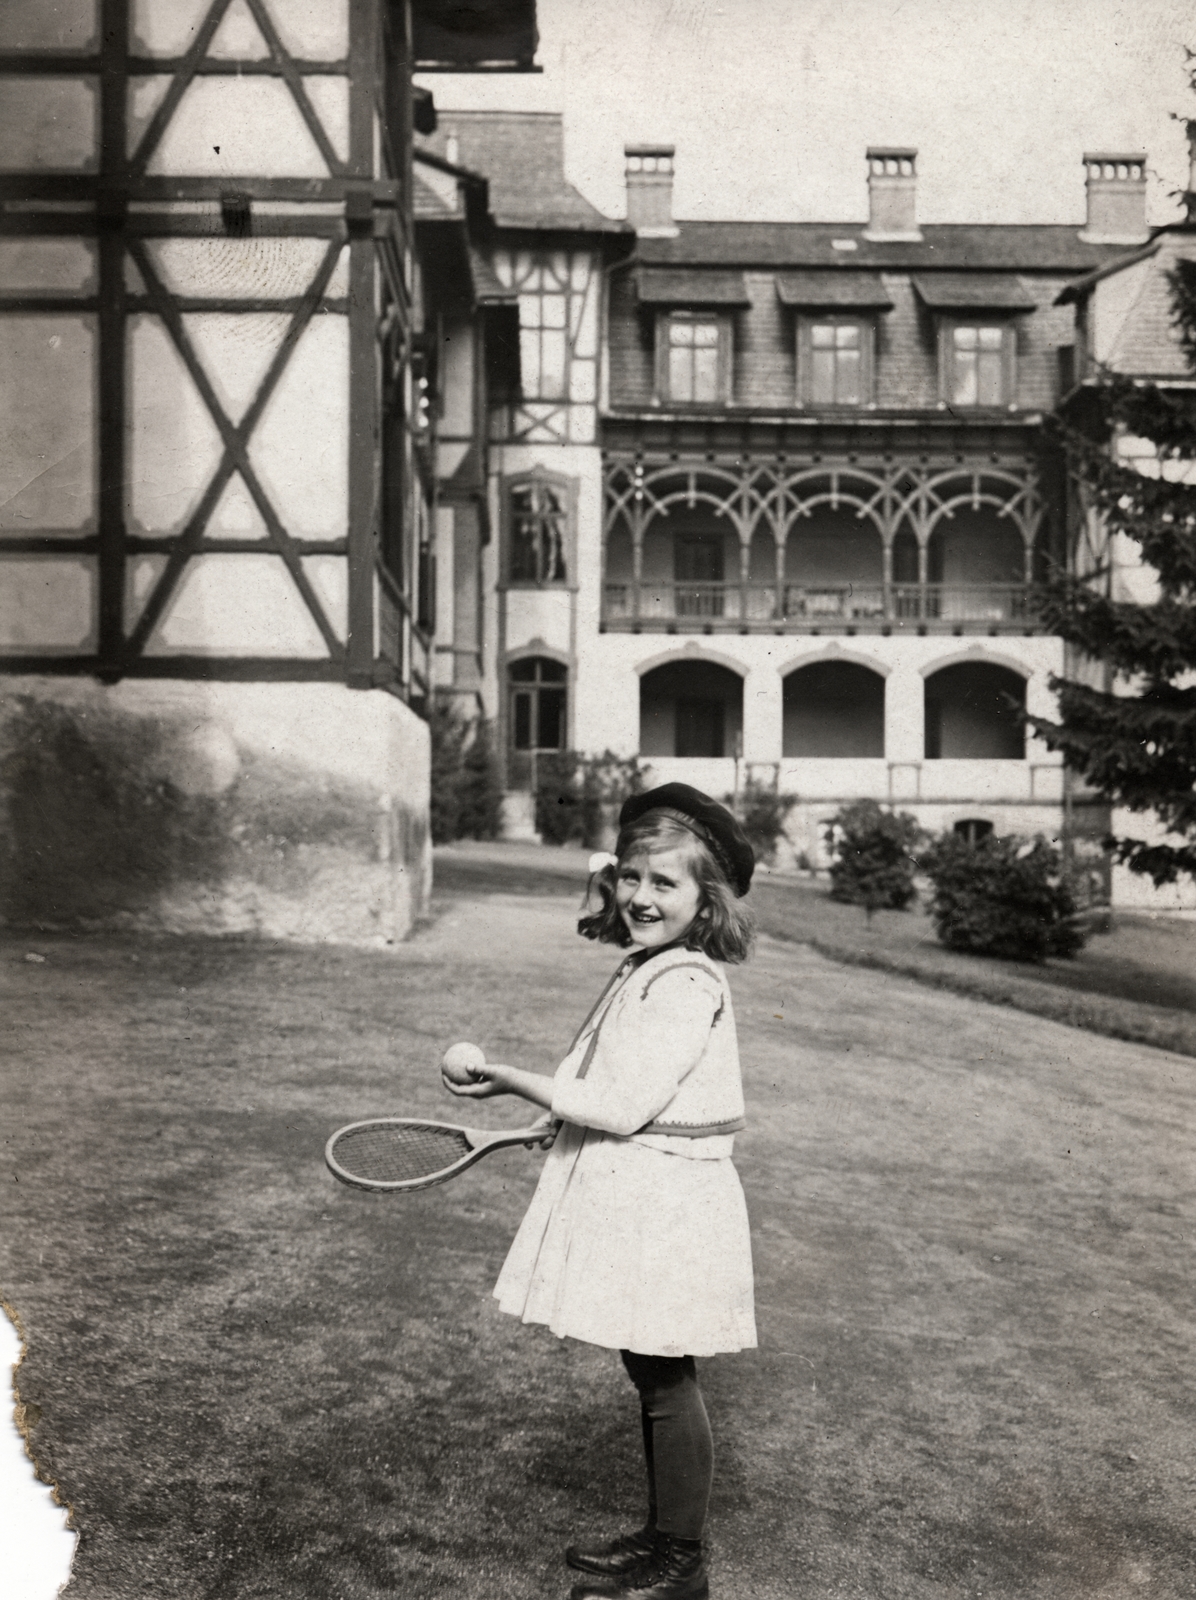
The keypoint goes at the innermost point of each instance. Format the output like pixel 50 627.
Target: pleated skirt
pixel 634 1248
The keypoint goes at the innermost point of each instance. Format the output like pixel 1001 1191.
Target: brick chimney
pixel 892 193
pixel 649 174
pixel 1116 186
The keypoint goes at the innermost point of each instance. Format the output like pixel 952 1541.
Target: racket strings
pixel 398 1154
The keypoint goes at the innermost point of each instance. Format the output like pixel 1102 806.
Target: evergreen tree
pixel 1134 741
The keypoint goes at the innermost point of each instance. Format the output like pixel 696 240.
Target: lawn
pixel 972 1239
pixel 1134 980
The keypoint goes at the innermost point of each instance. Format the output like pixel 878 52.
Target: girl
pixel 637 1235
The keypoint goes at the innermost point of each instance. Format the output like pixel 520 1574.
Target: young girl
pixel 637 1235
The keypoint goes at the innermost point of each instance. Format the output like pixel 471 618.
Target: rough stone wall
pixel 294 811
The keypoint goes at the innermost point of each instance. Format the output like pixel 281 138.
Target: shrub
pixel 577 796
pixel 763 812
pixel 875 857
pixel 1002 897
pixel 466 799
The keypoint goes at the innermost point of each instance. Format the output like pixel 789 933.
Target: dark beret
pixel 713 822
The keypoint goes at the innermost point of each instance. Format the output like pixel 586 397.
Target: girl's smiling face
pixel 657 897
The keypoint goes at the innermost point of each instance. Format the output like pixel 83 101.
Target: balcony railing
pixel 712 607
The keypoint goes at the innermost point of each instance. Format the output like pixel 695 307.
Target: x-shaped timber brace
pixel 121 206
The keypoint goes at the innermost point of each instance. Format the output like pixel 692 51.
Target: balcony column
pixel 745 572
pixel 905 731
pixel 781 536
pixel 637 559
pixel 762 715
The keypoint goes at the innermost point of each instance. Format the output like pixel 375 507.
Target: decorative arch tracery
pixel 775 497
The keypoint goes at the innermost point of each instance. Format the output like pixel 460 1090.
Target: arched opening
pixel 690 566
pixel 834 709
pixel 974 712
pixel 690 708
pixel 976 568
pixel 834 566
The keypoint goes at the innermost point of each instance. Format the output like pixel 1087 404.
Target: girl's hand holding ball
pixel 462 1063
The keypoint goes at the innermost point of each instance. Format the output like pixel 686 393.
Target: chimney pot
pixel 892 193
pixel 1116 188
pixel 649 176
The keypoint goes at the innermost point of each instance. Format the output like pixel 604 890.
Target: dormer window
pixel 695 358
pixel 975 314
pixel 836 321
pixel 979 358
pixel 834 361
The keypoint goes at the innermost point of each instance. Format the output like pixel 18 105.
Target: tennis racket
pixel 401 1153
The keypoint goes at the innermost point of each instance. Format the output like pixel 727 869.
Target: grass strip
pixel 1130 1020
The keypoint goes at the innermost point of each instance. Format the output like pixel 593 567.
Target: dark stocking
pixel 677 1444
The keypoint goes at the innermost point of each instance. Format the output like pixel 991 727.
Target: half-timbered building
pixel 218 454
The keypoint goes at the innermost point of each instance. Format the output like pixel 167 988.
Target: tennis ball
pixel 462 1062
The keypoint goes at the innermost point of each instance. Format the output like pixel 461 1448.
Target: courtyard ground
pixel 973 1239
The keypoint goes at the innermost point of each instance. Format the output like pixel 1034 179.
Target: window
pixel 538 704
pixel 835 361
pixel 694 368
pixel 978 364
pixel 539 525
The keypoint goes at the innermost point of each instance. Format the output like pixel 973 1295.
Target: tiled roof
pixel 1148 342
pixel 827 289
pixel 690 286
pixel 522 153
pixel 1017 247
pixel 972 291
pixel 429 204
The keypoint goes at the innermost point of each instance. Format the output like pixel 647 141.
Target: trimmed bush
pixel 875 856
pixel 466 801
pixel 763 812
pixel 1002 897
pixel 577 797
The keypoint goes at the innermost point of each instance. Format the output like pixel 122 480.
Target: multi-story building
pixel 772 498
pixel 218 472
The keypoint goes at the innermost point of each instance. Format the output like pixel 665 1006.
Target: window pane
pixel 681 333
pixel 847 383
pixel 551 671
pixel 990 338
pixel 847 336
pixel 551 732
pixel 705 333
pixel 681 374
pixel 524 671
pixel 552 364
pixel 964 389
pixel 705 381
pixel 965 338
pixel 822 377
pixel 522 706
pixel 529 360
pixel 822 335
pixel 989 383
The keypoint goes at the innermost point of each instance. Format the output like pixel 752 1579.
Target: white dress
pixel 634 1240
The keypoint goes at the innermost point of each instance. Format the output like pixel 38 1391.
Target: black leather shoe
pixel 674 1570
pixel 619 1556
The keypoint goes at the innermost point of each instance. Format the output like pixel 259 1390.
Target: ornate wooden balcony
pixel 695 607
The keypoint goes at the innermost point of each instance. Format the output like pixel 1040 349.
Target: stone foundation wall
pixel 294 811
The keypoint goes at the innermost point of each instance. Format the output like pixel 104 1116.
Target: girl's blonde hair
pixel 723 929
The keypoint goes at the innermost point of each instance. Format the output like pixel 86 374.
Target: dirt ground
pixel 973 1244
